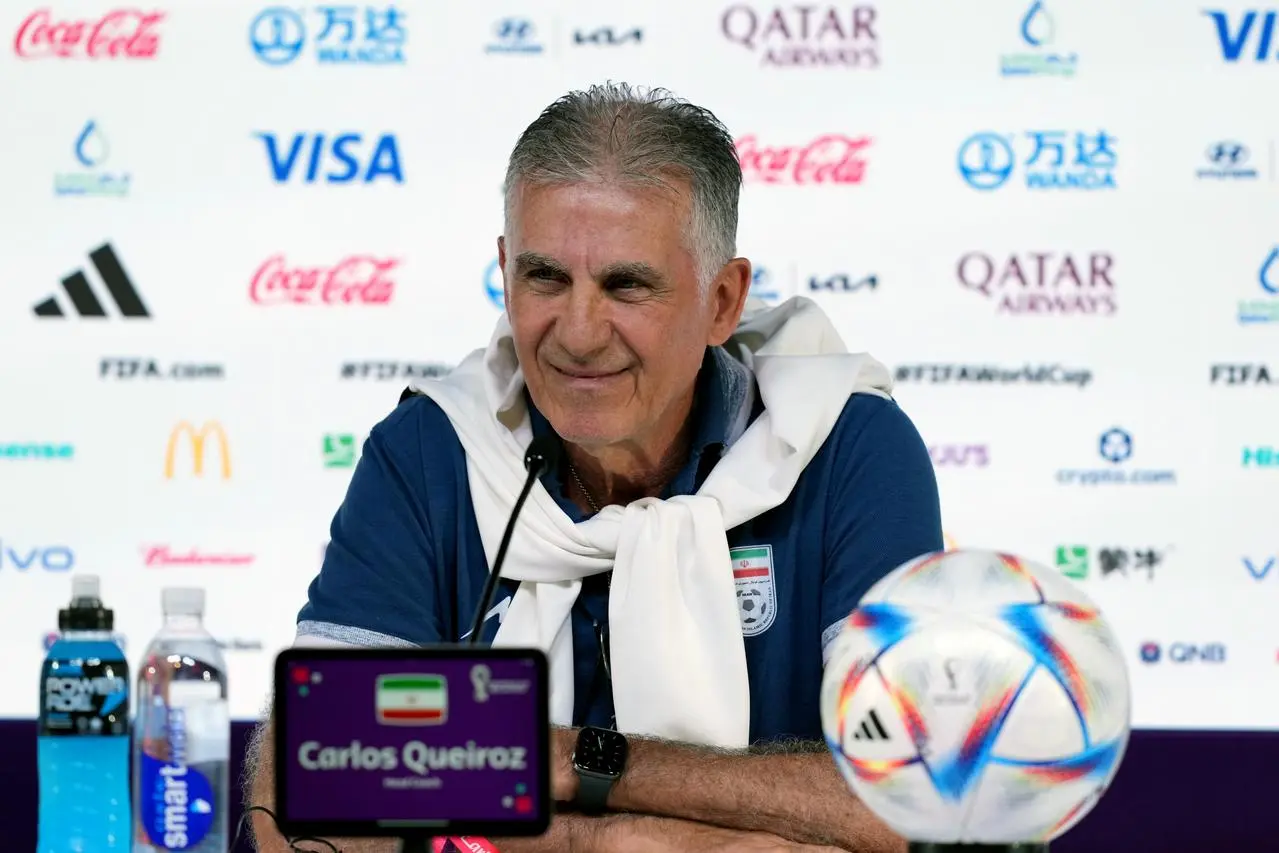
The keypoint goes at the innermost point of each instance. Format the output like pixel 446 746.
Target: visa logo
pixel 338 159
pixel 1253 28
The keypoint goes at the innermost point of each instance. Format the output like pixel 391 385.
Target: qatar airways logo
pixel 1043 282
pixel 805 36
pixel 830 159
pixel 356 279
pixel 119 34
pixel 162 556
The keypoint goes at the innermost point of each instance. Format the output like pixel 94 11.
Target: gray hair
pixel 638 136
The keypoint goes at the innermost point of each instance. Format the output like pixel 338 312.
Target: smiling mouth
pixel 584 375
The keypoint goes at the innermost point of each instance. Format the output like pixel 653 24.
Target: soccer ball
pixel 977 698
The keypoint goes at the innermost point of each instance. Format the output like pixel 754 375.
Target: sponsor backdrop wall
pixel 231 234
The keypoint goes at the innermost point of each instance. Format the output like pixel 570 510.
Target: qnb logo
pixel 83 300
pixel 342 158
pixel 198 440
pixel 1184 652
pixel 1251 31
pixel 1116 447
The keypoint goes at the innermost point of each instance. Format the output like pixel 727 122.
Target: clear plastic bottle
pixel 182 735
pixel 83 748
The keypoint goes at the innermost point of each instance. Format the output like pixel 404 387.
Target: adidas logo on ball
pixel 871 728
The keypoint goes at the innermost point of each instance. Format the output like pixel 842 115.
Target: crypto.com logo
pixel 198 443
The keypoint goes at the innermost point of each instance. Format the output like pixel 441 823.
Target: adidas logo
pixel 871 728
pixel 85 303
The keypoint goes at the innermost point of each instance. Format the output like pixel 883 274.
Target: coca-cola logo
pixel 361 279
pixel 830 159
pixel 120 34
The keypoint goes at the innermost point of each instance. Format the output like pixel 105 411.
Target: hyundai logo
pixel 1228 154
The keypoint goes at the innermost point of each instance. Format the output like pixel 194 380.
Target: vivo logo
pixel 339 159
pixel 1259 568
pixel 1255 30
pixel 51 558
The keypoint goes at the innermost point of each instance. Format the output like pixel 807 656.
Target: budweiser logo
pixel 830 159
pixel 159 556
pixel 124 33
pixel 359 278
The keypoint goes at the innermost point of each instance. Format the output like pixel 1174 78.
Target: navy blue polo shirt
pixel 405 564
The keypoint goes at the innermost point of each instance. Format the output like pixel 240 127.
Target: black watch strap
pixel 592 792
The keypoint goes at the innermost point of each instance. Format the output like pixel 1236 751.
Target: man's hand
pixel 564 781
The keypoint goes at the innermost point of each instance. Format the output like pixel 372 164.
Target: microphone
pixel 543 454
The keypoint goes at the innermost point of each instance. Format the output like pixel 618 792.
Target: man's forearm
pixel 796 793
pixel 260 791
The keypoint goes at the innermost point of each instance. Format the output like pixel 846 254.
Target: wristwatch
pixel 599 759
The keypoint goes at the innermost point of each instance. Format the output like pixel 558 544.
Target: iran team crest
pixel 756 594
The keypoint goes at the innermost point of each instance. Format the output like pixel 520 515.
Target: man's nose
pixel 584 327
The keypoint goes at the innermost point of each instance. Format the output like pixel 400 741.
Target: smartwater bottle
pixel 182 735
pixel 83 750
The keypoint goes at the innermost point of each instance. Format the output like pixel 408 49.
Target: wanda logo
pixel 359 279
pixel 121 34
pixel 830 159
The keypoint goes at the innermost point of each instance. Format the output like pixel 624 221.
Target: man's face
pixel 608 321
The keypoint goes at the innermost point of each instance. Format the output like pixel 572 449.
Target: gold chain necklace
pixel 585 492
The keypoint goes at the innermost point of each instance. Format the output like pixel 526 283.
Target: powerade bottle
pixel 182 735
pixel 83 750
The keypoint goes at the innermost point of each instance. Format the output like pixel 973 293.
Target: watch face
pixel 600 751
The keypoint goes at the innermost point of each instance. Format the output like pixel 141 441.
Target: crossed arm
pixel 672 797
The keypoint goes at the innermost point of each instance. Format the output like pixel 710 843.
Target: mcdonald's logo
pixel 199 442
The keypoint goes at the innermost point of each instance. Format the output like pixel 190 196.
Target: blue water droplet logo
pixel 494 287
pixel 1037 26
pixel 1269 274
pixel 91 146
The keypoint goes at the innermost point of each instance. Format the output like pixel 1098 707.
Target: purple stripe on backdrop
pixel 1177 792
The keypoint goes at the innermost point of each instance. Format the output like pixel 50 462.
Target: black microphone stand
pixel 928 847
pixel 415 844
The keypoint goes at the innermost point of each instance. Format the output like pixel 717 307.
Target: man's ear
pixel 501 266
pixel 727 297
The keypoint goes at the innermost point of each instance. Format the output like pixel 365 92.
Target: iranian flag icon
pixel 412 700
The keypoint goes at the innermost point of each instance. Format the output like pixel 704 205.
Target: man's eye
pixel 624 284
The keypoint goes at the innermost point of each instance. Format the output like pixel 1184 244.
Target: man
pixel 729 490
